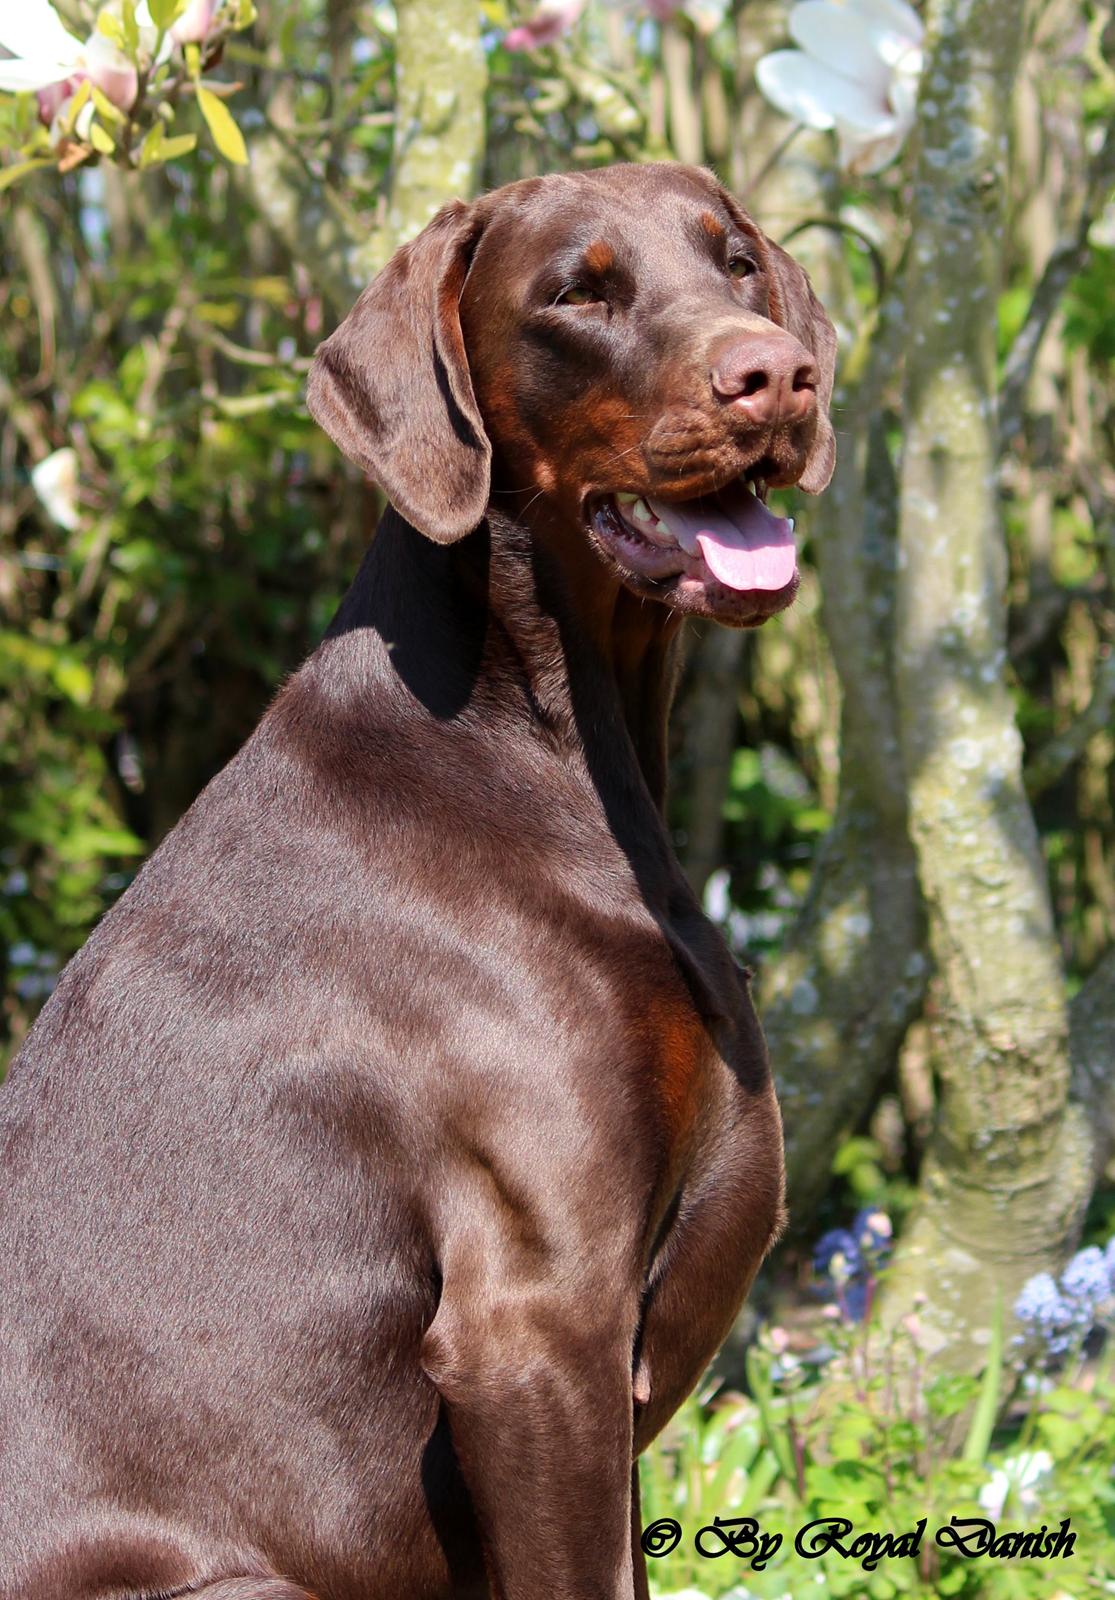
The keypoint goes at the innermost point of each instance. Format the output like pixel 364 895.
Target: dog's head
pixel 621 348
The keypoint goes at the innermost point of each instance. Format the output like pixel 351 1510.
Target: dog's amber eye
pixel 740 267
pixel 576 295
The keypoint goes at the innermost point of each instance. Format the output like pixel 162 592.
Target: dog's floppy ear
pixel 796 308
pixel 392 387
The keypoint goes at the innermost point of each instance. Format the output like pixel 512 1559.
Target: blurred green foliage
pixel 847 1420
pixel 160 326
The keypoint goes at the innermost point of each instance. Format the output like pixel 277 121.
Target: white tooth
pixel 660 527
pixel 688 541
pixel 642 511
pixel 626 499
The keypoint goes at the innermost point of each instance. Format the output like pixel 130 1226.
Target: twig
pixel 1066 260
pixel 238 352
pixel 838 225
pixel 1059 753
pixel 164 347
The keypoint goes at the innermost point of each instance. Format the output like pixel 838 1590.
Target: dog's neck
pixel 531 620
pixel 503 630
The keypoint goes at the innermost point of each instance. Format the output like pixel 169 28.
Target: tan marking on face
pixel 712 226
pixel 600 257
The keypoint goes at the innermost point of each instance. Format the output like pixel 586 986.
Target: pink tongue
pixel 745 545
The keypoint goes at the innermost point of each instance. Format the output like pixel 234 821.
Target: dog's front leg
pixel 531 1352
pixel 726 1225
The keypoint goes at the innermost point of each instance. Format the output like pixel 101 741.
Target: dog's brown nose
pixel 767 380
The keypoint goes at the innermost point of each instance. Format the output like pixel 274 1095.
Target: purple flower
pixel 837 1255
pixel 872 1231
pixel 855 1299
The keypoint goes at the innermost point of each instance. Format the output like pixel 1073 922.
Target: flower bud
pixel 111 71
pixel 195 22
pixel 53 98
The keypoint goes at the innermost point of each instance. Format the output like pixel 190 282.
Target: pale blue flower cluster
pixel 1058 1315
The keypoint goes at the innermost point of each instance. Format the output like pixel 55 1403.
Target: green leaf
pixel 151 149
pixel 131 31
pixel 983 1420
pixel 74 679
pixel 105 107
pixel 101 139
pixel 777 1435
pixel 222 125
pixel 112 28
pixel 81 95
pixel 180 145
pixel 951 1393
pixel 1060 1434
pixel 165 12
pixel 10 175
pixel 93 841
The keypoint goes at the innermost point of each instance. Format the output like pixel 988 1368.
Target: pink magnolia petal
pixel 549 22
pixel 53 98
pixel 837 38
pixel 111 71
pixel 194 23
pixel 813 94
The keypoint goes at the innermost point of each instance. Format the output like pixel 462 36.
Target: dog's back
pixel 207 1230
pixel 218 1145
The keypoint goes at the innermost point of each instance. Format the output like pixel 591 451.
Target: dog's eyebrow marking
pixel 712 226
pixel 600 257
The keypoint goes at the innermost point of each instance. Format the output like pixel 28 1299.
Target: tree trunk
pixel 441 76
pixel 1008 1171
pixel 838 1001
pixel 851 979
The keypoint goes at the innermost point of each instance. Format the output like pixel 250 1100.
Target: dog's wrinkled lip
pixel 719 553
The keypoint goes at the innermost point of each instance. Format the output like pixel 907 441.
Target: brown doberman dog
pixel 397 1152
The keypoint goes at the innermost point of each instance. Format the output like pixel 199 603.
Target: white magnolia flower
pixel 55 481
pixel 857 71
pixel 49 60
pixel 1019 1474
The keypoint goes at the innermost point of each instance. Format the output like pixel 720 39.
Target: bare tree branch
pixel 1067 259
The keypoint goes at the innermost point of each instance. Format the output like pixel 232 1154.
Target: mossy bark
pixel 441 76
pixel 1008 1170
pixel 837 1003
pixel 1092 1050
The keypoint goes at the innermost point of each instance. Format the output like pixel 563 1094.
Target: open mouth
pixel 730 537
